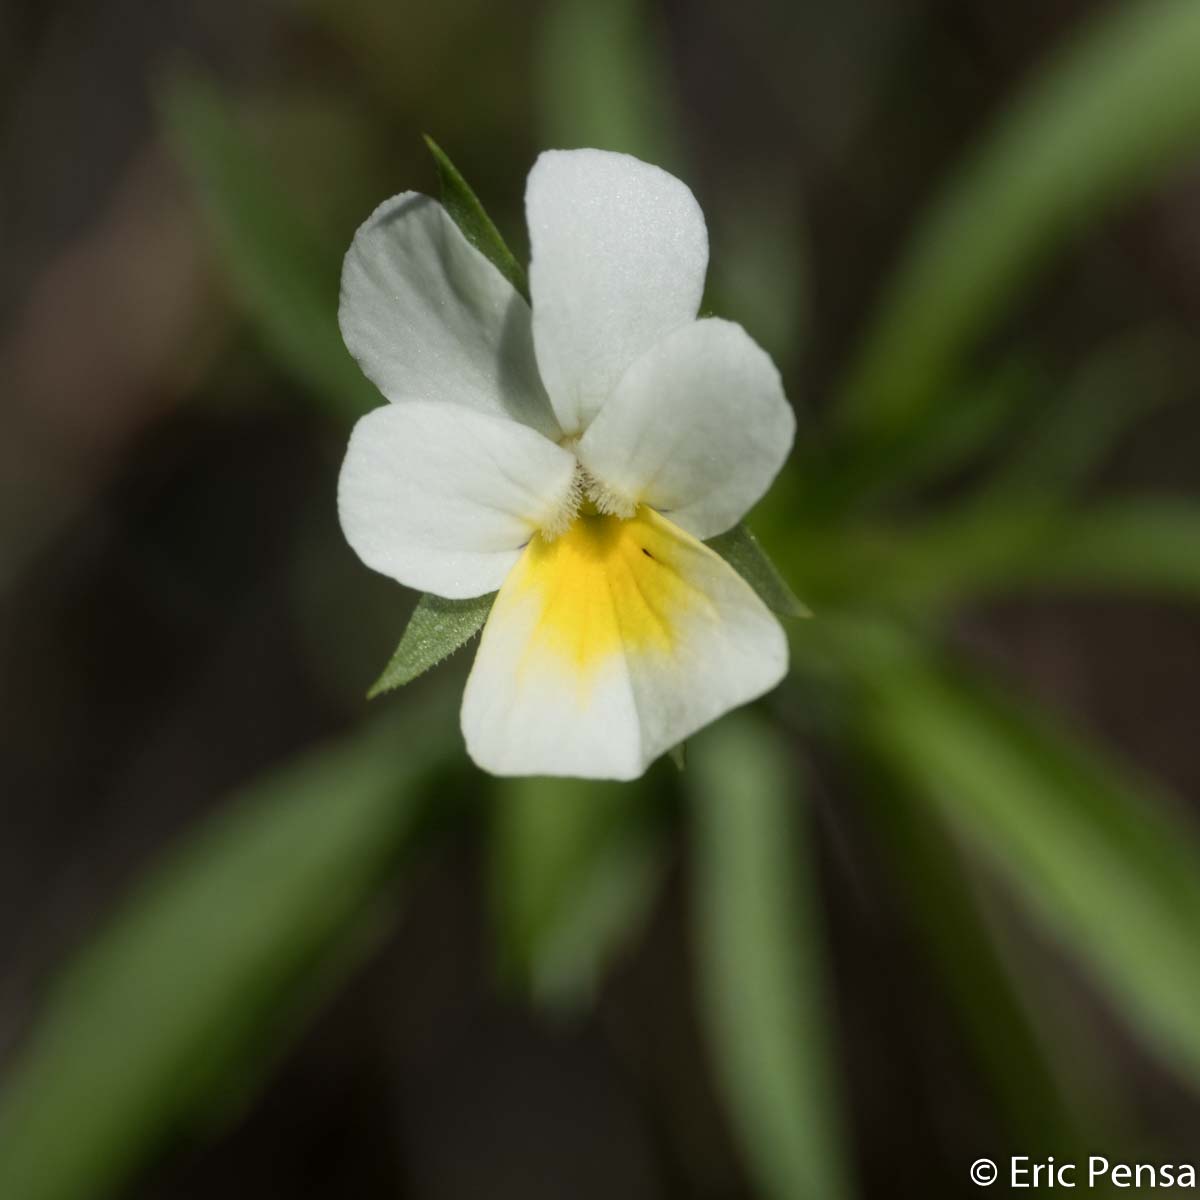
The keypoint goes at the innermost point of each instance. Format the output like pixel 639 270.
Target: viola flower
pixel 573 456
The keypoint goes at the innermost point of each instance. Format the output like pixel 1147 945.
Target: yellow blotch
pixel 607 586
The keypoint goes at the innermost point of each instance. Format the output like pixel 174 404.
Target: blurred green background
pixel 936 898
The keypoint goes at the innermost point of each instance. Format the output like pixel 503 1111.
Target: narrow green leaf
pixel 932 873
pixel 604 81
pixel 1126 546
pixel 1115 387
pixel 574 868
pixel 184 989
pixel 435 630
pixel 762 965
pixel 742 551
pixel 1112 113
pixel 1099 857
pixel 1138 545
pixel 760 270
pixel 833 478
pixel 469 215
pixel 284 279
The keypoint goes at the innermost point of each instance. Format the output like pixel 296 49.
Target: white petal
pixel 610 645
pixel 442 498
pixel 428 317
pixel 619 251
pixel 697 428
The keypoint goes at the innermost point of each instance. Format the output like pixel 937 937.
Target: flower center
pixel 585 495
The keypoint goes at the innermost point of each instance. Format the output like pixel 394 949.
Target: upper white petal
pixel 442 498
pixel 426 315
pixel 618 255
pixel 697 428
pixel 603 651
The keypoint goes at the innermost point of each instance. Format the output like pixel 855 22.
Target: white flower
pixel 572 456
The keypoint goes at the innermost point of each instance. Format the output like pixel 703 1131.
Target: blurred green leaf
pixel 762 965
pixel 948 920
pixel 1119 107
pixel 574 868
pixel 759 271
pixel 289 122
pixel 285 280
pixel 186 986
pixel 603 81
pixel 465 61
pixel 1115 387
pixel 1128 546
pixel 741 550
pixel 435 630
pixel 834 478
pixel 469 215
pixel 1101 859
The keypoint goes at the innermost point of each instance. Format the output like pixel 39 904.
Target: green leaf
pixel 741 550
pixel 1115 387
pixel 435 630
pixel 1126 546
pixel 1098 856
pixel 834 478
pixel 1112 114
pixel 285 280
pixel 189 982
pixel 575 864
pixel 761 961
pixel 603 78
pixel 935 876
pixel 469 215
pixel 760 270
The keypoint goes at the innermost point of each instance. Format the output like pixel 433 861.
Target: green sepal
pixel 435 630
pixel 678 755
pixel 470 216
pixel 742 551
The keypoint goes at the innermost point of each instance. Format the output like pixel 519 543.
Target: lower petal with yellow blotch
pixel 611 644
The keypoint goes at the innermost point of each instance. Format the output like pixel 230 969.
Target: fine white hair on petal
pixel 426 314
pixel 604 650
pixel 568 508
pixel 619 251
pixel 697 428
pixel 442 498
pixel 607 501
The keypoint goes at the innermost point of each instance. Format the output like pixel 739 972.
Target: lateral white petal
pixel 610 645
pixel 442 498
pixel 427 315
pixel 618 255
pixel 697 428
